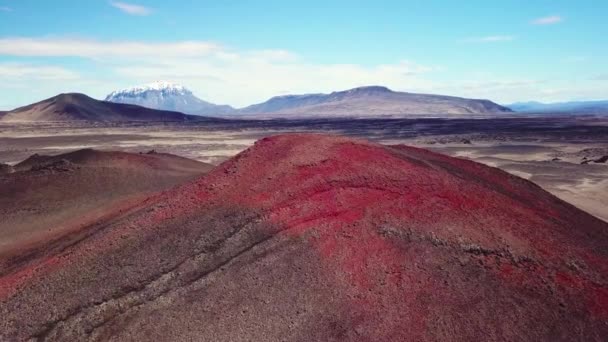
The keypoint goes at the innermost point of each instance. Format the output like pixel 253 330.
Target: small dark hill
pixel 115 159
pixel 5 168
pixel 325 238
pixel 45 197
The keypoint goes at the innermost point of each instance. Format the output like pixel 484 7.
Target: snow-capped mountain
pixel 167 96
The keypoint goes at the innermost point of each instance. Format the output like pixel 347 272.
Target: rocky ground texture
pixel 309 237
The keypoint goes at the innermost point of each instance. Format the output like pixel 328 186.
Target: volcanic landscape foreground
pixel 551 151
pixel 305 230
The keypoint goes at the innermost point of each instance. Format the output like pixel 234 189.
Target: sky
pixel 243 52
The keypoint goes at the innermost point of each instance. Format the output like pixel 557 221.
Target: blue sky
pixel 241 52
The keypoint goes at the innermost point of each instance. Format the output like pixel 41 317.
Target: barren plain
pixel 562 154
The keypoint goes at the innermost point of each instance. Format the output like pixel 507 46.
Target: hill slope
pixel 324 238
pixel 79 107
pixel 372 101
pixel 48 196
pixel 167 96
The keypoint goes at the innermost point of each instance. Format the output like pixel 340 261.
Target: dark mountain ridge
pixel 371 101
pixel 80 107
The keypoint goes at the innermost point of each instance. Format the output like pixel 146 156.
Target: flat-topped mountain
pixel 371 101
pixel 80 107
pixel 167 96
pixel 322 238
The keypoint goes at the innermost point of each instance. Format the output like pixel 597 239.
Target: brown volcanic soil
pixel 310 237
pixel 48 196
pixel 80 107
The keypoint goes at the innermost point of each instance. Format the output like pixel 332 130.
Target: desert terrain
pixel 558 153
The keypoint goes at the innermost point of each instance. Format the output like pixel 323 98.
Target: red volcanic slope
pixel 311 237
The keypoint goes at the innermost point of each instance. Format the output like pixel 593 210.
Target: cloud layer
pixel 549 20
pixel 222 74
pixel 131 9
pixel 20 71
pixel 490 39
pixel 43 47
pixel 601 77
pixel 225 75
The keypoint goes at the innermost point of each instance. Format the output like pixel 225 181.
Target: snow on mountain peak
pixel 160 86
pixel 165 95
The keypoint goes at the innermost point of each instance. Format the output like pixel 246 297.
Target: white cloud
pixel 218 73
pixel 15 72
pixel 241 77
pixel 601 77
pixel 96 49
pixel 490 39
pixel 248 79
pixel 549 20
pixel 131 9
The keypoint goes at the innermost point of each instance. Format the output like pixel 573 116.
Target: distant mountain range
pixel 79 107
pixel 370 102
pixel 364 101
pixel 163 101
pixel 167 96
pixel 575 107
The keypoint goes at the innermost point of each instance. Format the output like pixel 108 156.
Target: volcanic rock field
pixel 301 237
